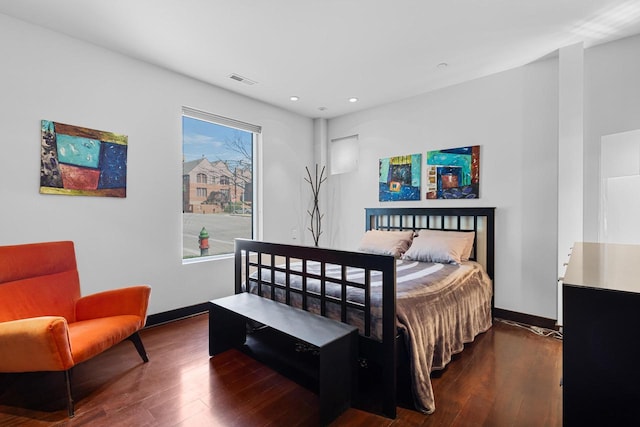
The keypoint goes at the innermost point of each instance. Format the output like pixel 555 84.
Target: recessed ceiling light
pixel 353 99
pixel 322 108
pixel 443 65
pixel 294 98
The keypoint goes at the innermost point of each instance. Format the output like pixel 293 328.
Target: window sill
pixel 197 260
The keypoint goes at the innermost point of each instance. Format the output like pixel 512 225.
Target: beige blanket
pixel 439 318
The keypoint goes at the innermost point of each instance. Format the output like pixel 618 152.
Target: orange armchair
pixel 45 325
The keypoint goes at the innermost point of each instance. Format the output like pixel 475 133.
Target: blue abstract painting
pixel 453 173
pixel 82 162
pixel 400 178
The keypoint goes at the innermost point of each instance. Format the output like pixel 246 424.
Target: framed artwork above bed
pixel 454 173
pixel 400 178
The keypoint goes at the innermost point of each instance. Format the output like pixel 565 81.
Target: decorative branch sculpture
pixel 316 216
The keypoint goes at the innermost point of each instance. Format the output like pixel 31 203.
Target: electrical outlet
pixel 294 233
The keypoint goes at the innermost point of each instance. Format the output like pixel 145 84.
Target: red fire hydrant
pixel 203 242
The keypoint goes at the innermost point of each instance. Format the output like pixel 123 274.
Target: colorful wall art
pixel 400 178
pixel 453 173
pixel 82 162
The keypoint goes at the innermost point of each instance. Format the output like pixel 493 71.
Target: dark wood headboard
pixel 481 220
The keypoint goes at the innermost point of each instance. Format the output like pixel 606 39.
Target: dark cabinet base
pixel 601 357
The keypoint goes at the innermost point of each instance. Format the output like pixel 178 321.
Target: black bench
pixel 335 342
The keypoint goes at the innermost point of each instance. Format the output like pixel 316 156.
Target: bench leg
pixel 135 339
pixel 226 330
pixel 338 364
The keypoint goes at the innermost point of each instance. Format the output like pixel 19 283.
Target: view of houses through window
pixel 217 187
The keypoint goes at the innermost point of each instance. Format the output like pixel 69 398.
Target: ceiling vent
pixel 239 78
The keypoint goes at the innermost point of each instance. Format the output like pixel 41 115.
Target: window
pixel 218 183
pixel 344 154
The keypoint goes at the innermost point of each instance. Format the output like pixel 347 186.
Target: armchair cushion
pixel 110 330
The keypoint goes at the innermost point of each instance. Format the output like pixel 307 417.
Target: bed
pixel 400 319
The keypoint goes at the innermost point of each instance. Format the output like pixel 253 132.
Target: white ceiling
pixel 326 51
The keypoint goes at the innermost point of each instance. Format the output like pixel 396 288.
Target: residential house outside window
pixel 218 182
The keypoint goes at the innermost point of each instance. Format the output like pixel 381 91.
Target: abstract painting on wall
pixel 453 173
pixel 400 178
pixel 82 162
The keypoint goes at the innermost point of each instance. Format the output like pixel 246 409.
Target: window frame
pixel 256 187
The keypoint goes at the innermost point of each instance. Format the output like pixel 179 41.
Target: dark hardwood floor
pixel 507 377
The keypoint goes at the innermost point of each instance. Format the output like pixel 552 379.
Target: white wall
pixel 570 157
pixel 513 116
pixel 612 105
pixel 570 151
pixel 137 239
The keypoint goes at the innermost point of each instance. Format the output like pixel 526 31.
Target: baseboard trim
pixel 177 314
pixel 181 313
pixel 527 319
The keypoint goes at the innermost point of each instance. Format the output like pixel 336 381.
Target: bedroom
pixel 512 114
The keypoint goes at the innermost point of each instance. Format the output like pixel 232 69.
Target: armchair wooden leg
pixel 135 339
pixel 70 406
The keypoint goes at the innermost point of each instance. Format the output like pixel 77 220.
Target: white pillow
pixel 467 236
pixel 441 246
pixel 381 242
